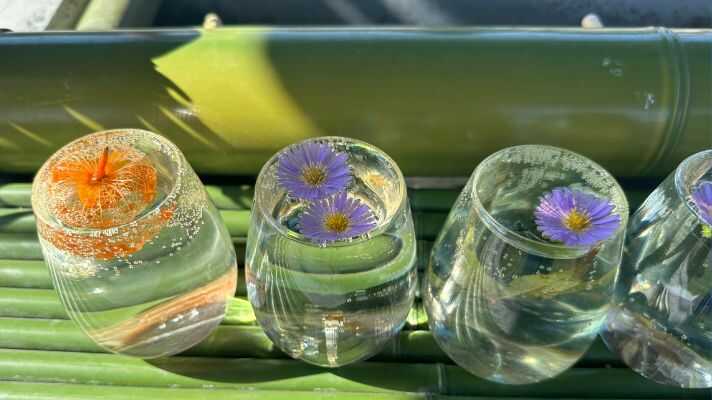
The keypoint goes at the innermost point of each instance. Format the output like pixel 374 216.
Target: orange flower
pixel 105 191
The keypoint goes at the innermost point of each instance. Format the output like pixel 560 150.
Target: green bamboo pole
pixel 427 223
pixel 225 341
pixel 30 303
pixel 45 303
pixel 238 336
pixel 63 391
pixel 273 374
pixel 25 246
pixel 237 222
pixel 17 305
pixel 239 197
pixel 599 92
pixel 225 197
pixel 18 240
pixel 45 334
pixel 20 246
pixel 316 275
pixel 141 285
pixel 30 274
pixel 231 197
pixel 239 312
pixel 15 195
pixel 34 274
pixel 22 220
pixel 17 220
pixel 198 372
pixel 136 288
pixel 242 341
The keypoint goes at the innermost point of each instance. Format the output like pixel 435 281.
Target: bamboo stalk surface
pixel 635 100
pixel 237 341
pixel 33 319
pixel 278 374
pixel 239 197
pixel 45 303
pixel 63 391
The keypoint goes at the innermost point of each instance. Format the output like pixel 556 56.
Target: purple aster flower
pixel 312 171
pixel 575 218
pixel 335 218
pixel 702 196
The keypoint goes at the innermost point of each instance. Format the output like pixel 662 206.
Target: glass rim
pixel 683 191
pixel 300 238
pixel 540 247
pixel 111 230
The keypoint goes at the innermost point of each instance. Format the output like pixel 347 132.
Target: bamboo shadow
pixel 88 91
pixel 287 374
pixel 238 371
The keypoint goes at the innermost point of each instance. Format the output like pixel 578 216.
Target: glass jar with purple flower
pixel 661 320
pixel 521 276
pixel 330 263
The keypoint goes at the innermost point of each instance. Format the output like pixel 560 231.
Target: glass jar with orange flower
pixel 138 254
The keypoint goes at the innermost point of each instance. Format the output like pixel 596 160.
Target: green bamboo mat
pixel 44 355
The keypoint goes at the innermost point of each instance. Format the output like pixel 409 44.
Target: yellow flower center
pixel 577 221
pixel 706 231
pixel 336 222
pixel 314 175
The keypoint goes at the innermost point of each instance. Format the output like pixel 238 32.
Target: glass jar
pixel 331 300
pixel 504 302
pixel 138 254
pixel 661 321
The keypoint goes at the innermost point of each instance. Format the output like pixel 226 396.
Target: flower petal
pixel 702 196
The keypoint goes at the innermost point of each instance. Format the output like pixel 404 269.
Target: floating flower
pixel 575 218
pixel 103 190
pixel 100 191
pixel 313 171
pixel 335 218
pixel 702 196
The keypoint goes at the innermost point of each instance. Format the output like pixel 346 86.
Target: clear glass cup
pixel 661 320
pixel 336 302
pixel 137 252
pixel 503 302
